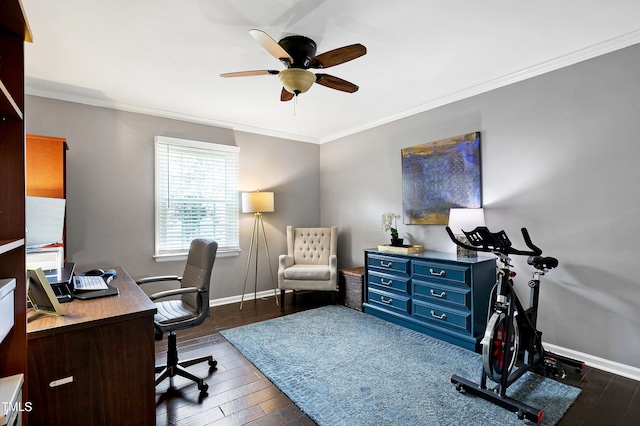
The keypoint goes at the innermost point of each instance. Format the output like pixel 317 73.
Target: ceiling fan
pixel 298 54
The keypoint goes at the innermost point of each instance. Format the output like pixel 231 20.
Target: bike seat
pixel 540 262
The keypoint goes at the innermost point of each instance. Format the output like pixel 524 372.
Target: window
pixel 196 195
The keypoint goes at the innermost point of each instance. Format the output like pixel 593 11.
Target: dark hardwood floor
pixel 240 395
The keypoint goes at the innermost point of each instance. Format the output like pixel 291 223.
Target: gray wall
pixel 110 187
pixel 560 157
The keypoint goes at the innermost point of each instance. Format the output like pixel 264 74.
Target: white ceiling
pixel 164 57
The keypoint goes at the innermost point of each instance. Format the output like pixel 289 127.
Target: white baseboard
pixel 597 362
pixel 238 298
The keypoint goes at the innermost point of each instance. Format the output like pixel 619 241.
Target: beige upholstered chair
pixel 311 262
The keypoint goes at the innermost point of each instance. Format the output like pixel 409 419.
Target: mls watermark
pixel 17 406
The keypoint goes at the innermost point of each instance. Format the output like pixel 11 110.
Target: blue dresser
pixel 435 293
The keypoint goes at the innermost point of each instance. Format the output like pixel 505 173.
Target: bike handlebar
pixel 481 239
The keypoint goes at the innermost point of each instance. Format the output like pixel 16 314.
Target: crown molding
pixel 33 90
pixel 564 61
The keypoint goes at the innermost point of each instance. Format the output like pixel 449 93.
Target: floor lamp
pixel 257 203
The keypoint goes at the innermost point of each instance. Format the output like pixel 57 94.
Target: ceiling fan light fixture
pixel 296 80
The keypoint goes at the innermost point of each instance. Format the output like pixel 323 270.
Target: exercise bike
pixel 511 345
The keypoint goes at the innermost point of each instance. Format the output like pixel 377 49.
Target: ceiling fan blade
pixel 336 83
pixel 285 95
pixel 250 73
pixel 271 46
pixel 338 56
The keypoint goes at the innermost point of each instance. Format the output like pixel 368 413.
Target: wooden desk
pixel 106 347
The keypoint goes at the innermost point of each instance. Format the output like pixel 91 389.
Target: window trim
pixel 167 257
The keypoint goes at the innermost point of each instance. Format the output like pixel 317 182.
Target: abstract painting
pixel 438 176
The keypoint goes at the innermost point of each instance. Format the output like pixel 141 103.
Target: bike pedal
pixel 553 368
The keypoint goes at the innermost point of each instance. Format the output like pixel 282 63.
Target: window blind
pixel 196 195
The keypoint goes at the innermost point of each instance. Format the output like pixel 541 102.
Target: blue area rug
pixel 343 367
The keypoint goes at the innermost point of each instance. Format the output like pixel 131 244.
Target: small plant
pixel 389 223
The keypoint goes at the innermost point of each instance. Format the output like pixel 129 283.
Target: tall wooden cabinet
pixel 46 160
pixel 46 166
pixel 14 31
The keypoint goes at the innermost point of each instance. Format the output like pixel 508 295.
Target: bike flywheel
pixel 496 350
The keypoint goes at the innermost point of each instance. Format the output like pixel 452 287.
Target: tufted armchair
pixel 311 262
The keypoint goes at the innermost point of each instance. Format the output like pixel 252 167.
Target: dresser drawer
pixel 389 264
pixel 458 297
pixel 392 301
pixel 442 272
pixel 442 316
pixel 434 293
pixel 389 281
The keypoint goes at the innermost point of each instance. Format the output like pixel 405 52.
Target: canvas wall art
pixel 438 176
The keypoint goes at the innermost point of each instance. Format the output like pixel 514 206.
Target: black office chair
pixel 188 311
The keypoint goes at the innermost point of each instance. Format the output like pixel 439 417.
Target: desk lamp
pixel 257 203
pixel 468 220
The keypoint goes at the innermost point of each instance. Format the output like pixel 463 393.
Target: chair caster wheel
pixel 203 388
pixel 213 363
pixel 520 414
pixel 459 387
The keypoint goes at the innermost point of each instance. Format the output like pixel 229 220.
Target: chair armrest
pixel 158 279
pixel 333 263
pixel 284 261
pixel 174 292
pixel 333 269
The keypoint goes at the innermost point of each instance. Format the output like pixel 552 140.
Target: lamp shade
pixel 296 80
pixel 257 202
pixel 465 219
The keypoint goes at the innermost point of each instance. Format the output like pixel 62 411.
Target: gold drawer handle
pixel 438 274
pixel 387 301
pixel 441 295
pixel 382 281
pixel 440 317
pixel 386 265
